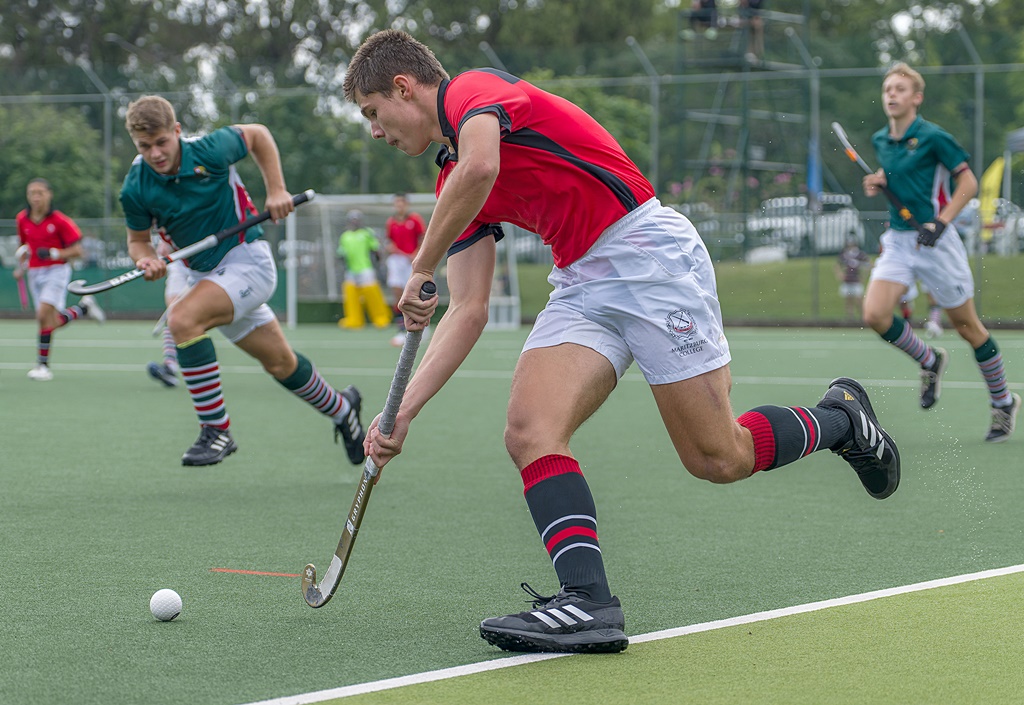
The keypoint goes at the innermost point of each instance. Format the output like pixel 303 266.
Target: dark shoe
pixel 1004 420
pixel 162 374
pixel 562 622
pixel 931 379
pixel 350 428
pixel 871 452
pixel 212 446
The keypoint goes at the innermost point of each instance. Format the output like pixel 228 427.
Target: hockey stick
pixel 81 288
pixel 319 594
pixel 893 199
pixel 163 316
pixel 22 292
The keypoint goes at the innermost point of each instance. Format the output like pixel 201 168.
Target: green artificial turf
pixel 97 514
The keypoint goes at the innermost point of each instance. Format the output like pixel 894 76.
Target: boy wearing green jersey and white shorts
pixel 927 170
pixel 189 188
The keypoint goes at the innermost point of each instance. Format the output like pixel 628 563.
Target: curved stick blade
pixel 310 590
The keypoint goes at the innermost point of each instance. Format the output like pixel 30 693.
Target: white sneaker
pixel 40 373
pixel 398 340
pixel 932 329
pixel 93 309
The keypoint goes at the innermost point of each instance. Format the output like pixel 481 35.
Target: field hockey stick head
pixel 319 594
pixel 851 153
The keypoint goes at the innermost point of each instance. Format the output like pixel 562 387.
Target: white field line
pixel 632 376
pixel 457 671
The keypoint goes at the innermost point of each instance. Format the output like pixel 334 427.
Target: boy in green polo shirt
pixel 188 189
pixel 927 169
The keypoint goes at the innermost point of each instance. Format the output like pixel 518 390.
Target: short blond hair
pixel 149 115
pixel 901 68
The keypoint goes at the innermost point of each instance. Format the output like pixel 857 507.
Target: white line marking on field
pixel 631 376
pixel 455 672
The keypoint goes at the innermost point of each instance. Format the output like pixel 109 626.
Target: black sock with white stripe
pixel 783 434
pixel 566 518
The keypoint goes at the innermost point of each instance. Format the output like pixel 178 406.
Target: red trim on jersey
pixel 562 176
pixel 548 466
pixel 54 230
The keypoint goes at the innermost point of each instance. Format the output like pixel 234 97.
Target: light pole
pixel 492 57
pixel 655 107
pixel 86 67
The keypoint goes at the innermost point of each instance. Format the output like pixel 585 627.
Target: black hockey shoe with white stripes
pixel 871 451
pixel 350 428
pixel 562 622
pixel 212 446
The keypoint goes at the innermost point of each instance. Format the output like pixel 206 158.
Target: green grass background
pixel 802 291
pixel 97 514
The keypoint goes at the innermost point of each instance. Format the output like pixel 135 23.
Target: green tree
pixel 57 145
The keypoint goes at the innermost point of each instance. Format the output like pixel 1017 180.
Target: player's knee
pixel 280 365
pixel 718 468
pixel 877 320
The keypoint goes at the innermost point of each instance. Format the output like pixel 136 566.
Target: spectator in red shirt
pixel 48 240
pixel 404 231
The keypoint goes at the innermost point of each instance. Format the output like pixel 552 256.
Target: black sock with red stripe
pixel 783 434
pixel 563 510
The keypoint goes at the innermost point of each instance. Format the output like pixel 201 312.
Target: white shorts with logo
pixel 399 270
pixel 248 274
pixel 49 285
pixel 943 269
pixel 644 291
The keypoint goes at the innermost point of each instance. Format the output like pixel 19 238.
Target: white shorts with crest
pixel 644 291
pixel 248 274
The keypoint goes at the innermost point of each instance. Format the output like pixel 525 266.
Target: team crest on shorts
pixel 680 324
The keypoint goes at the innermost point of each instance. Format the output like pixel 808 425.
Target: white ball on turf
pixel 165 605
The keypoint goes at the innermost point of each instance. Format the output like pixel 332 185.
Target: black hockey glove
pixel 931 232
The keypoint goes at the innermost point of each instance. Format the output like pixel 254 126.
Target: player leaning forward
pixel 188 189
pixel 632 281
pixel 920 162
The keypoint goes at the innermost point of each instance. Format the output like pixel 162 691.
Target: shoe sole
pixel 188 463
pixel 597 641
pixel 866 403
pixel 943 364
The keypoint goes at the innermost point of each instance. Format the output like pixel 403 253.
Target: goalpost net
pixel 315 272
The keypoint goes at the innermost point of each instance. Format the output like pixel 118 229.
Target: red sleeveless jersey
pixel 562 176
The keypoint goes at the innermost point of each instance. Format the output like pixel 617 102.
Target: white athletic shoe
pixel 93 309
pixel 40 373
pixel 932 329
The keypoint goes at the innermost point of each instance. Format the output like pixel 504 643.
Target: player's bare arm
pixel 966 188
pixel 470 273
pixel 461 199
pixel 263 149
pixel 140 249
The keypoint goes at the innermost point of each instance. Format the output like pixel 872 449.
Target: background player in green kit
pixel 927 169
pixel 189 189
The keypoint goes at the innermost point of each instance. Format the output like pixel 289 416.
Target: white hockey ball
pixel 165 605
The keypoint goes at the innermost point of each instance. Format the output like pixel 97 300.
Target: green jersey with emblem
pixel 204 197
pixel 918 168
